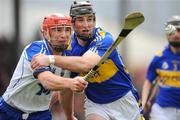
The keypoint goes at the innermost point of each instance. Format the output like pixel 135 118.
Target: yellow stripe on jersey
pixel 104 72
pixel 169 78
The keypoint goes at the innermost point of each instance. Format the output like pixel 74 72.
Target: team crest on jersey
pixel 165 65
pixel 102 33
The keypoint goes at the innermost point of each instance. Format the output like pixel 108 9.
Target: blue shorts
pixel 9 113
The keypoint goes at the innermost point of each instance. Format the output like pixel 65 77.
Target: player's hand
pixel 39 60
pixel 78 84
pixel 74 118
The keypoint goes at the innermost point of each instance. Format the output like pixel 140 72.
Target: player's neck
pixel 57 53
pixel 81 42
pixel 175 49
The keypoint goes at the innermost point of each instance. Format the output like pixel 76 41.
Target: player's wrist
pixel 51 59
pixel 68 83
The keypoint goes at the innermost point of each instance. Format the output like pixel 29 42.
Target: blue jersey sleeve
pixel 33 49
pixel 40 70
pixel 151 72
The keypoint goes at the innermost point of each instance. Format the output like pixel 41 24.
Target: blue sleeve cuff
pixel 40 70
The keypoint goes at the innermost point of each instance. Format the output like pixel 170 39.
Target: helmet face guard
pixel 172 26
pixel 55 21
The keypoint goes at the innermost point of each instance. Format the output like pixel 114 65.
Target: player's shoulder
pixel 33 48
pixel 159 53
pixel 104 36
pixel 102 33
pixel 162 53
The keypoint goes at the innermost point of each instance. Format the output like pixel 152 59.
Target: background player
pixel 166 67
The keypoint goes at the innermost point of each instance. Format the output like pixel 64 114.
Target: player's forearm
pixel 53 82
pixel 145 92
pixel 74 64
pixel 66 100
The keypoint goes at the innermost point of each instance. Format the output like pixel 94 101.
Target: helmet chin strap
pixel 84 38
pixel 58 48
pixel 175 44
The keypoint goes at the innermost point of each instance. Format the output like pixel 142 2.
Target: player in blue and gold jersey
pixel 165 68
pixel 110 94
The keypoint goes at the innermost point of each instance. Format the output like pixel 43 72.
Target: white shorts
pixel 164 113
pixel 125 108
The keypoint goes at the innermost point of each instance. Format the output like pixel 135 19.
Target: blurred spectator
pixel 7 62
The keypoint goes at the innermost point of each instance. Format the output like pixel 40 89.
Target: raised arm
pixel 73 63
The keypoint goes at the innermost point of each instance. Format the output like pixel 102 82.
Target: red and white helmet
pixel 55 20
pixel 51 21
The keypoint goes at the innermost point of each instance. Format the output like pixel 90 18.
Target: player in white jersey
pixel 29 92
